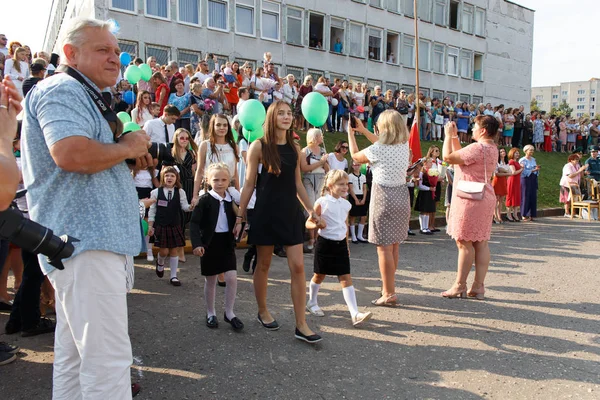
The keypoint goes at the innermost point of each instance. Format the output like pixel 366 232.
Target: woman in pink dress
pixel 470 221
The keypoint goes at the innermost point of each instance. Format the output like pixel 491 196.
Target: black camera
pixel 34 237
pixel 159 151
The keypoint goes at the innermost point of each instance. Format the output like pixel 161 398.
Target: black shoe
pixel 175 281
pixel 12 327
pixel 160 274
pixel 314 338
pixel 212 322
pixel 423 232
pixel 361 240
pixel 247 261
pixel 435 230
pixel 272 326
pixel 235 322
pixel 355 242
pixel 7 348
pixel 222 284
pixel 411 233
pixel 44 326
pixel 7 358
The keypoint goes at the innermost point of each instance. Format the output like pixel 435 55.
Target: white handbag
pixel 439 119
pixel 472 190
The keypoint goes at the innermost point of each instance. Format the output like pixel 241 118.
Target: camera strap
pixel 109 115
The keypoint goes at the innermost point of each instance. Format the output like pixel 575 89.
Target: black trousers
pixel 516 139
pixel 26 306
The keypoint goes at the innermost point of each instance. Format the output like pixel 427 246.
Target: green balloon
pixel 133 74
pixel 146 72
pixel 315 109
pixel 363 168
pixel 124 117
pixel 252 114
pixel 145 227
pixel 235 134
pixel 131 127
pixel 256 134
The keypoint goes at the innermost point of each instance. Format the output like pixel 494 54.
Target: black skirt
pixel 219 256
pixel 438 191
pixel 425 202
pixel 358 211
pixel 331 257
pixel 168 236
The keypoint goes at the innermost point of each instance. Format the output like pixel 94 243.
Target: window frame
pixel 482 11
pixel 398 9
pixel 302 28
pixel 429 10
pixel 324 16
pixel 380 30
pixel 158 47
pixel 187 22
pixel 167 18
pixel 396 51
pixel 443 53
pixel 136 46
pixel 331 26
pixel 195 63
pixel 466 54
pixel 457 55
pixel 405 8
pixel 227 27
pixel 380 6
pixel 252 7
pixel 262 11
pixel 465 9
pixel 444 13
pixel 404 38
pixel 362 40
pixel 421 42
pixel 135 11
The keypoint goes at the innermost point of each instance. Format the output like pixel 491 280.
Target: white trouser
pixel 92 351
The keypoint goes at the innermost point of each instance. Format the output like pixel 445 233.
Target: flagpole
pixel 417 112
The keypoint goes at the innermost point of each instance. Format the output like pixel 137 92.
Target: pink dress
pixel 471 220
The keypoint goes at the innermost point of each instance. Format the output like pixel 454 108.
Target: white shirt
pixel 334 212
pixel 488 112
pixel 313 159
pixel 389 163
pixel 239 104
pixel 277 95
pixel 202 77
pixel 145 117
pixel 224 154
pixel 222 225
pixel 143 179
pixel 185 206
pixel 155 128
pixel 357 182
pixel 290 94
pixel 4 51
pixel 335 164
pixel 359 97
pixel 262 83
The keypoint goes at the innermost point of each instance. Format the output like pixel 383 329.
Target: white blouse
pixel 357 182
pixel 224 154
pixel 334 212
pixel 10 70
pixel 335 164
pixel 145 117
pixel 389 163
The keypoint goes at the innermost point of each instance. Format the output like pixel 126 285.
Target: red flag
pixel 414 142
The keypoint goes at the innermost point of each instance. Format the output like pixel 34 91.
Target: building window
pixel 375 3
pixel 424 54
pixel 408 89
pixel 593 91
pixel 581 92
pixel 217 14
pixel 187 57
pixel 244 17
pixel 581 99
pixel 162 54
pixel 467 18
pixel 592 114
pixel 188 11
pixel 157 8
pixel 466 58
pixel 555 104
pixel 391 86
pixel 424 10
pixel 408 51
pixel 452 61
pixel 371 83
pixel 127 5
pixel 554 96
pixel 465 98
pixel 393 5
pixel 269 25
pixel 356 40
pixel 336 36
pixel 564 93
pixel 593 99
pixel 539 97
pixel 438 58
pixel 477 100
pixel 439 12
pixel 452 96
pixel 316 23
pixel 316 74
pixel 437 94
pixel 128 47
pixel 375 44
pixel 478 67
pixel 579 115
pixel 393 40
pixel 298 72
pixel 295 25
pixel 453 14
pixel 480 22
pixel 355 79
pixel 409 8
pixel 581 107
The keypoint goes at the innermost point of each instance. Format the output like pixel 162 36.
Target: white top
pixel 4 50
pixel 224 154
pixel 222 225
pixel 357 182
pixel 242 146
pixel 290 93
pixel 155 128
pixel 185 206
pixel 145 117
pixel 277 95
pixel 239 104
pixel 334 212
pixel 389 163
pixel 202 77
pixel 314 158
pixel 9 70
pixel 335 164
pixel 143 179
pixel 359 98
pixel 262 83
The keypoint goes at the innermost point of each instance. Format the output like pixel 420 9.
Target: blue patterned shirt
pixel 101 209
pixel 180 102
pixel 528 166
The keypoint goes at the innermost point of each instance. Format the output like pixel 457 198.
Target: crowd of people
pixel 214 186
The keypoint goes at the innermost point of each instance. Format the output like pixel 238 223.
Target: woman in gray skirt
pixel 389 210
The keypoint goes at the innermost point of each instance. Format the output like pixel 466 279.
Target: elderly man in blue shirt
pixel 78 183
pixel 593 164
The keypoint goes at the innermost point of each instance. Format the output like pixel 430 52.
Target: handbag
pixel 439 119
pixel 472 190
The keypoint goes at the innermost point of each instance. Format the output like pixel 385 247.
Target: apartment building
pixel 475 50
pixel 583 97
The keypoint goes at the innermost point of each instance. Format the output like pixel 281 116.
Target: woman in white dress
pixel 17 68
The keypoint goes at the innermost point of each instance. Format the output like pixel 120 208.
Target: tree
pixel 563 109
pixel 533 106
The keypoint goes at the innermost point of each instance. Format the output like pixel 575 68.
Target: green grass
pixel 551 163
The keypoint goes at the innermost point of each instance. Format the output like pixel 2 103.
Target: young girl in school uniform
pixel 164 221
pixel 425 203
pixel 211 231
pixel 358 199
pixel 145 180
pixel 331 249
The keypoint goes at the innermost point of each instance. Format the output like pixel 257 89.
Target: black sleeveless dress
pixel 277 218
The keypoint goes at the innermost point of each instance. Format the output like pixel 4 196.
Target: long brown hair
pixel 15 57
pixel 270 154
pixel 228 137
pixel 140 105
pixel 175 152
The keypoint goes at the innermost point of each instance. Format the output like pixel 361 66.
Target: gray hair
pixel 74 32
pixel 528 147
pixel 312 135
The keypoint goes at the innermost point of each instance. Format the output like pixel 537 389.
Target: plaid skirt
pixel 168 237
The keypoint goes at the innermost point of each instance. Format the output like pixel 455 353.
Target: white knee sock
pixel 422 222
pixel 361 228
pixel 230 292
pixel 313 292
pixel 148 246
pixel 353 232
pixel 350 297
pixel 210 291
pixel 173 264
pixel 161 262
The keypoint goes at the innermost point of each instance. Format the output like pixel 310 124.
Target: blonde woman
pixel 314 166
pixel 389 210
pixel 17 68
pixel 290 93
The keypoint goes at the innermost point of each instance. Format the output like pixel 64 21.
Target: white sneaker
pixel 359 318
pixel 567 215
pixel 150 257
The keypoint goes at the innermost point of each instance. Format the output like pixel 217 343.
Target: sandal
pixel 315 310
pixel 391 301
